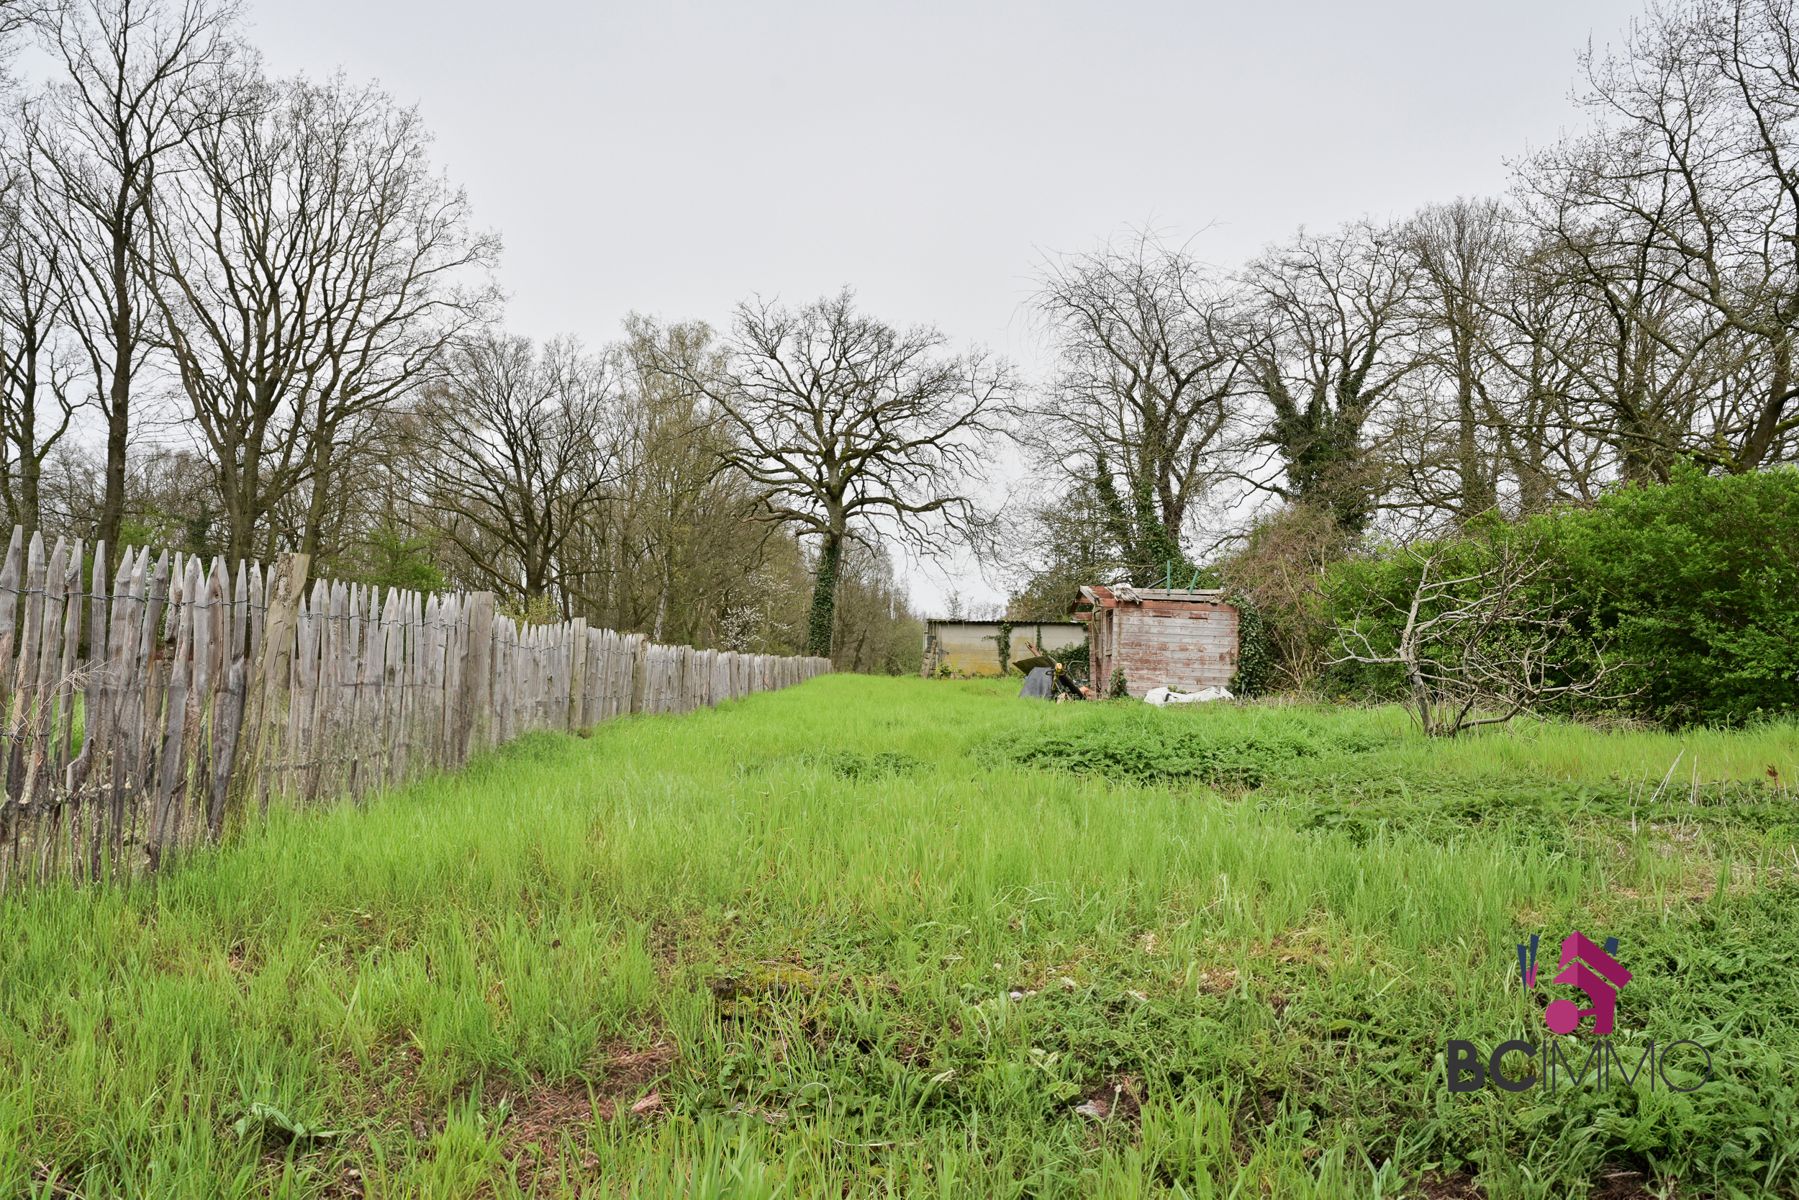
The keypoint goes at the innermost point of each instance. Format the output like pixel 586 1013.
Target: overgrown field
pixel 876 936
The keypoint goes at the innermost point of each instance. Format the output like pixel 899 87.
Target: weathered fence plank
pixel 149 709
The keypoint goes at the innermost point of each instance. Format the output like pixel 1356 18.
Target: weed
pixel 854 765
pixel 1137 744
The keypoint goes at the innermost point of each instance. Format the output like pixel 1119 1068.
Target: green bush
pixel 1691 587
pixel 1697 585
pixel 1367 599
pixel 1273 580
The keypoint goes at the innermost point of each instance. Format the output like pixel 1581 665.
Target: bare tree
pixel 310 269
pixel 1480 647
pixel 1541 352
pixel 1049 547
pixel 1495 413
pixel 37 379
pixel 124 102
pixel 515 446
pixel 1280 571
pixel 15 17
pixel 1678 215
pixel 1461 251
pixel 848 427
pixel 683 533
pixel 1146 397
pixel 1642 354
pixel 1331 344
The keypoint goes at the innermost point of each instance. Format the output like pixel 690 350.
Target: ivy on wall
pixel 1255 654
pixel 1119 688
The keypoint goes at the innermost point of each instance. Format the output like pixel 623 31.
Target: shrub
pixel 1690 587
pixel 1274 581
pixel 1696 584
pixel 1255 652
pixel 1478 636
pixel 1368 597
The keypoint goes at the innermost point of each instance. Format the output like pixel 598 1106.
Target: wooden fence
pixel 147 713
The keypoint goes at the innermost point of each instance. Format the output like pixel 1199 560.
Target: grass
pixel 876 936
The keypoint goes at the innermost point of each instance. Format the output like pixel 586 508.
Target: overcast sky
pixel 673 158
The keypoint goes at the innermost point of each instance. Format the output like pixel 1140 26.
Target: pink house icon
pixel 1587 966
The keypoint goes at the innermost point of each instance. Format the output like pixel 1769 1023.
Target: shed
pixel 972 647
pixel 1161 637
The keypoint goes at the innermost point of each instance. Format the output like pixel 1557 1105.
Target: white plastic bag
pixel 1161 695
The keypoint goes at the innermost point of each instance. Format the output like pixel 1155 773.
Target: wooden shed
pixel 1160 637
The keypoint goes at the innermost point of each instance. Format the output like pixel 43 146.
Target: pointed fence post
pixel 474 704
pixel 270 680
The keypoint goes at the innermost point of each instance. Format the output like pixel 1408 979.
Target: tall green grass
pixel 871 937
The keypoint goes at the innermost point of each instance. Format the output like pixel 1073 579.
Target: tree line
pixel 243 314
pixel 1630 305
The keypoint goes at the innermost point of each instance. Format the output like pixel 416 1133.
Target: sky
pixel 674 158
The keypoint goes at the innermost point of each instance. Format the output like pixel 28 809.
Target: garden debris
pixel 1117 1100
pixel 1161 695
pixel 1047 679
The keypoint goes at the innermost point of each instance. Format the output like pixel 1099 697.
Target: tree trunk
pixel 667 583
pixel 30 508
pixel 118 429
pixel 1762 432
pixel 824 596
pixel 118 402
pixel 240 532
pixel 1476 484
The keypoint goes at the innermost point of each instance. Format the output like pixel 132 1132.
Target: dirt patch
pixel 1217 981
pixel 627 1073
pixel 390 1082
pixel 548 1126
pixel 1118 1100
pixel 1620 1183
pixel 547 1132
pixel 1450 1185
